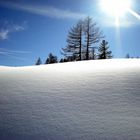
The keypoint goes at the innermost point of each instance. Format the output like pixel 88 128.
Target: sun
pixel 115 8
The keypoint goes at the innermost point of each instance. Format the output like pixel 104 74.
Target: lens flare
pixel 134 13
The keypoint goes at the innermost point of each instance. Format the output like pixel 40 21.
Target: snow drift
pixel 71 101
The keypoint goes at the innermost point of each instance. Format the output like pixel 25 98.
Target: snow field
pixel 78 100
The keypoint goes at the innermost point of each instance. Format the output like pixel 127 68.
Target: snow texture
pixel 89 100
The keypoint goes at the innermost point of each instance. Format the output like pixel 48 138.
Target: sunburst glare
pixel 116 9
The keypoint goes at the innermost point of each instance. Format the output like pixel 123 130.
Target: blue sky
pixel 30 28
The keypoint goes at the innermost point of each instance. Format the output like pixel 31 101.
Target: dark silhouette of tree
pixel 38 62
pixel 73 50
pixel 92 34
pixel 51 59
pixel 127 56
pixel 61 60
pixel 104 53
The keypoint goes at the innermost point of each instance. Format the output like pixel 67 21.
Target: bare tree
pixel 92 34
pixel 74 42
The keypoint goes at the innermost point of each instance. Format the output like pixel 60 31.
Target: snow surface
pixel 89 100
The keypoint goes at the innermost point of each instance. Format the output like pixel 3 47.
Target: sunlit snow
pixel 89 100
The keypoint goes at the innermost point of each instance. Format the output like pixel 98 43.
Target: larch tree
pixel 92 34
pixel 73 50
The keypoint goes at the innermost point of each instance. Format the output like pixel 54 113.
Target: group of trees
pixel 128 56
pixel 50 60
pixel 82 44
pixel 81 41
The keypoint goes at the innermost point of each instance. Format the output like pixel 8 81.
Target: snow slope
pixel 89 100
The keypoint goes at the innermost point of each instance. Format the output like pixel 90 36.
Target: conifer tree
pixel 104 53
pixel 38 62
pixel 51 59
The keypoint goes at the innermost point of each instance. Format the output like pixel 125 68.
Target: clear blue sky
pixel 33 28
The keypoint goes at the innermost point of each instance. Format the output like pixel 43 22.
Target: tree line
pixel 82 44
